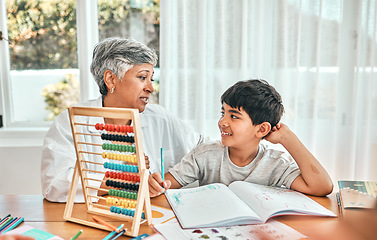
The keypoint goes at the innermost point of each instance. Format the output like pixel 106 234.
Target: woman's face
pixel 134 89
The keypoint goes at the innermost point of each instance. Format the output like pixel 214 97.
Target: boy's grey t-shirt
pixel 210 163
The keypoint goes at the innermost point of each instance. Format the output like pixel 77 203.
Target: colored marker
pixel 119 234
pixel 15 224
pixel 77 234
pixel 4 218
pixel 7 224
pixel 113 232
pixel 162 165
pixel 112 227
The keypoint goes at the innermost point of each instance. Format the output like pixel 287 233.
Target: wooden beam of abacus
pixel 84 124
pixel 93 144
pixel 91 161
pixel 88 134
pixel 113 112
pixel 102 198
pixel 93 179
pixel 89 170
pixel 101 206
pixel 98 180
pixel 99 189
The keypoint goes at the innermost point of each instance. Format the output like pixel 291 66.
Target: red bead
pixel 122 128
pixel 97 126
pixel 101 126
pixel 107 174
pixel 106 127
pixel 117 128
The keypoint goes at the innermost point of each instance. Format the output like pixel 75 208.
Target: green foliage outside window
pixel 44 31
pixel 44 34
pixel 61 95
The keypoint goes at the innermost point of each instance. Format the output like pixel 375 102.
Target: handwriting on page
pixel 179 197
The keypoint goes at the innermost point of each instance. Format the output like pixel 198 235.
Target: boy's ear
pixel 264 129
pixel 109 79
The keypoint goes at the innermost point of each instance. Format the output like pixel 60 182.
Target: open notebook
pixel 216 205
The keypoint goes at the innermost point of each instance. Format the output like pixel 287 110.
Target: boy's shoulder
pixel 212 146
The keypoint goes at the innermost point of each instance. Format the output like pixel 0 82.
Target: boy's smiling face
pixel 236 127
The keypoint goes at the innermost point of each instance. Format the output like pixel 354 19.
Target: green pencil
pixel 77 234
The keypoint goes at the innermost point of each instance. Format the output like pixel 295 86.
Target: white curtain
pixel 320 55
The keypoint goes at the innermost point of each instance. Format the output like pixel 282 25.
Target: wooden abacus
pixel 137 197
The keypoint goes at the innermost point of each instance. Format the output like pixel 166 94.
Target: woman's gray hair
pixel 118 55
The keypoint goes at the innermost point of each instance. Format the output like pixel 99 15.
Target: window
pixel 43 63
pixel 46 69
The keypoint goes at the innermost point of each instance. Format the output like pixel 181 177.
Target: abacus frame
pixel 143 199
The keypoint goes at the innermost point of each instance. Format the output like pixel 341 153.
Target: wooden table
pixel 48 216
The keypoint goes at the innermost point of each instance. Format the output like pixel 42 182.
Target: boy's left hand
pixel 278 133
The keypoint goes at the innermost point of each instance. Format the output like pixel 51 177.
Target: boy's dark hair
pixel 257 98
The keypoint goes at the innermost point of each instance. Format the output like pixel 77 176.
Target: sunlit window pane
pixel 43 57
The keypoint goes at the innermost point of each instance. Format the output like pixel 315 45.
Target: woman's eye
pixel 142 77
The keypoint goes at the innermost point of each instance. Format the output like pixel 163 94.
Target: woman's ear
pixel 264 129
pixel 109 79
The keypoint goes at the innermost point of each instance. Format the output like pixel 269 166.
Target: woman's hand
pixel 146 162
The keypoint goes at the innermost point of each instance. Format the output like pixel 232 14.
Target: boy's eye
pixel 234 116
pixel 222 113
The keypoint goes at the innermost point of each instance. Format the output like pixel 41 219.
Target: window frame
pixel 87 37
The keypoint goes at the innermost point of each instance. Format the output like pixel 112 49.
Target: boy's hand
pixel 278 133
pixel 155 184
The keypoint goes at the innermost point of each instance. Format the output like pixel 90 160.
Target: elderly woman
pixel 123 70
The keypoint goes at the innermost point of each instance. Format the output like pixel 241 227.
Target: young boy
pixel 251 110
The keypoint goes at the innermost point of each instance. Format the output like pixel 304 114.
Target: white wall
pixel 20 161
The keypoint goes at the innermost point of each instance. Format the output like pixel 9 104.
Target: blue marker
pixel 162 165
pixel 15 224
pixel 113 232
pixel 119 234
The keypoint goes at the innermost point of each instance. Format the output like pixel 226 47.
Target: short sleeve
pixel 187 170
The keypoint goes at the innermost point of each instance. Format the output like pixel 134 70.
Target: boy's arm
pixel 155 183
pixel 314 179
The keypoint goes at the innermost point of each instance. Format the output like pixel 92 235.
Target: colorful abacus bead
pixel 117 137
pixel 122 194
pixel 125 211
pixel 122 185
